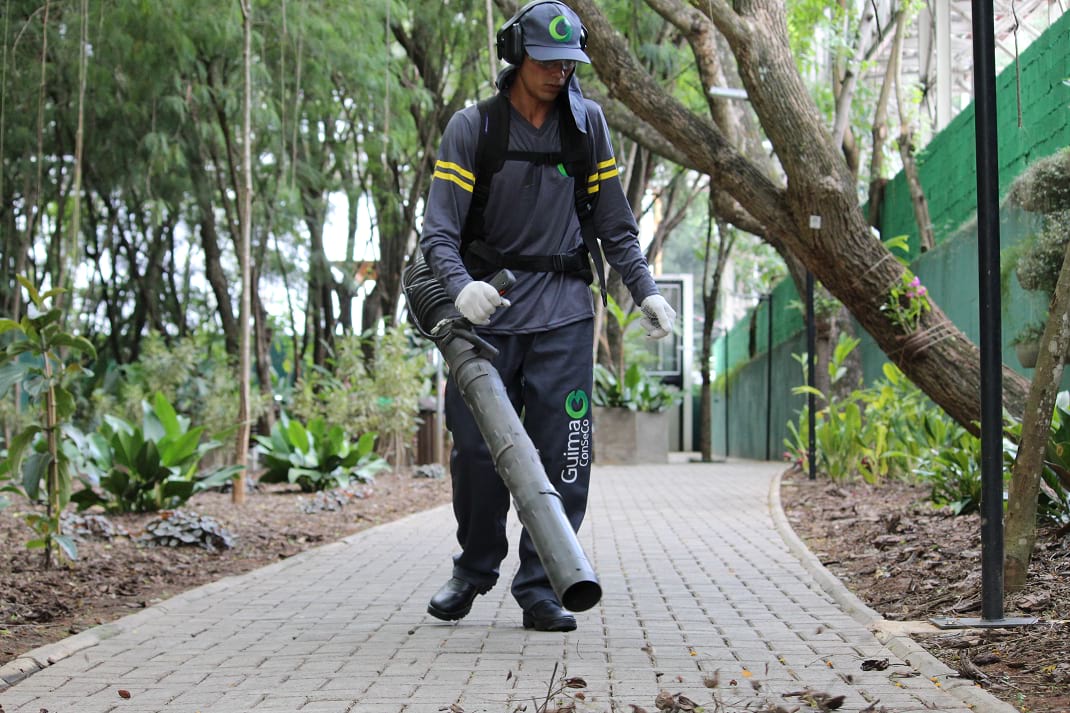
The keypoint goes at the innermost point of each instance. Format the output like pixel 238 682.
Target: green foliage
pixel 825 304
pixel 1055 482
pixel 837 425
pixel 1031 332
pixel 43 359
pixel 908 300
pixel 193 374
pixel 636 391
pixel 1043 188
pixel 317 457
pixel 954 474
pixel 889 430
pixel 379 395
pixel 152 467
pixel 1042 257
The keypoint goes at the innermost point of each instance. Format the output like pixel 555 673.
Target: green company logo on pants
pixel 577 403
pixel 578 451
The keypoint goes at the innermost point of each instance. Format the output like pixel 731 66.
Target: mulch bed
pixel 911 561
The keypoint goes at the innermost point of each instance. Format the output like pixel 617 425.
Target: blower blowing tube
pixel 538 503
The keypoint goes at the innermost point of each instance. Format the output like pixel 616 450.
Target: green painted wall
pixel 947 171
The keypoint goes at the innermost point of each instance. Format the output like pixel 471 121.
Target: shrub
pixel 636 391
pixel 379 395
pixel 1055 483
pixel 317 457
pixel 150 468
pixel 954 475
pixel 42 359
pixel 194 375
pixel 890 429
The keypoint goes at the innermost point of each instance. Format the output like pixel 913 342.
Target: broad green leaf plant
pixel 635 391
pixel 44 360
pixel 151 467
pixel 317 457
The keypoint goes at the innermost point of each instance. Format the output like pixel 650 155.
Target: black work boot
pixel 454 600
pixel 548 615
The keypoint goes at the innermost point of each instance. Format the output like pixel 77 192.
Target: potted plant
pixel 1038 260
pixel 1027 344
pixel 631 416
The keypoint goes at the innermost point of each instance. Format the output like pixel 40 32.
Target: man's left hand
pixel 658 317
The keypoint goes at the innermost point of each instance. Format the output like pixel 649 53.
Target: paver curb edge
pixel 901 645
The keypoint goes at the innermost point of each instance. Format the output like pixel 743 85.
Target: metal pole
pixel 726 380
pixel 811 368
pixel 984 87
pixel 769 375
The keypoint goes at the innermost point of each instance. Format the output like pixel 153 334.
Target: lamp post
pixel 727 420
pixel 811 367
pixel 984 87
pixel 768 300
pixel 811 359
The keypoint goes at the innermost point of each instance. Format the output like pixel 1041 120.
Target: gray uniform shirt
pixel 531 210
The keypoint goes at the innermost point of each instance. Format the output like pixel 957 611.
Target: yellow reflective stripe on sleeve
pixel 601 174
pixel 450 166
pixel 454 179
pixel 453 173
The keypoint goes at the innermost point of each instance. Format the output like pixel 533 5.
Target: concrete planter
pixel 624 437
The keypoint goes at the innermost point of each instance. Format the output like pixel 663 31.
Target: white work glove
pixel 658 317
pixel 478 301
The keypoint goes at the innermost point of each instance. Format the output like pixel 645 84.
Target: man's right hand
pixel 477 301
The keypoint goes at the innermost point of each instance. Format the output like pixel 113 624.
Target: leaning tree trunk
pixel 857 268
pixel 1020 529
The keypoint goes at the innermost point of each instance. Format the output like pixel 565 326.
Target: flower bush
pixel 907 302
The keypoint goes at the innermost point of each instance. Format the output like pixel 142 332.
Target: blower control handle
pixel 502 281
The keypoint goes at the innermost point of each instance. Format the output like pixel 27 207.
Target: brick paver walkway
pixel 697 579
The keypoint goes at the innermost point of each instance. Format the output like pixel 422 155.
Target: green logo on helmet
pixel 561 29
pixel 577 404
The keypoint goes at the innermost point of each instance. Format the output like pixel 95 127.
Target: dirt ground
pixel 909 561
pixel 902 557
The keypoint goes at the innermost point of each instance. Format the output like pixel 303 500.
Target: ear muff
pixel 510 38
pixel 510 43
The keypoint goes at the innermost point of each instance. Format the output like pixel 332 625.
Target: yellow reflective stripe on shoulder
pixel 602 174
pixel 453 173
pixel 611 165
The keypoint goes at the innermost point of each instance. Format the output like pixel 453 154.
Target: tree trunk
pixel 726 241
pixel 842 254
pixel 245 216
pixel 877 182
pixel 910 167
pixel 213 265
pixel 1020 532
